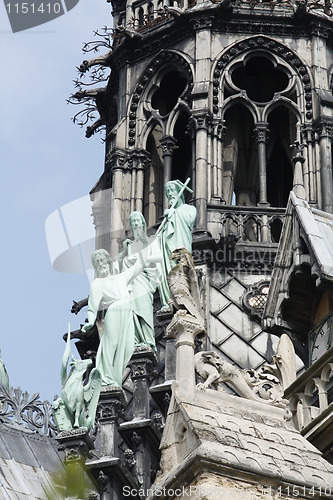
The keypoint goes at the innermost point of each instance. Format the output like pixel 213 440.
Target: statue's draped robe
pixel 117 343
pixel 141 292
pixel 175 234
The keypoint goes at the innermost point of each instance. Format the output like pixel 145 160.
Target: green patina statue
pixel 175 232
pixel 4 379
pixel 144 285
pixel 111 292
pixel 78 402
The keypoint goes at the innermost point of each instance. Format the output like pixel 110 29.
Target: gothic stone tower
pixel 236 95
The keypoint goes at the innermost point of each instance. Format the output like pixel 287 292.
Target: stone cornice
pixel 239 22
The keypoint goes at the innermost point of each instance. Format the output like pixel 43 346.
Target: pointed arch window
pixel 257 164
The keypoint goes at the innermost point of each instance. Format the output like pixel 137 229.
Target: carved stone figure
pixel 110 292
pixel 183 285
pixel 284 362
pixel 247 383
pixel 175 231
pixel 78 402
pixel 142 288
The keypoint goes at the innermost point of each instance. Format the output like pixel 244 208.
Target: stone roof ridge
pixel 316 231
pixel 317 227
pixel 216 433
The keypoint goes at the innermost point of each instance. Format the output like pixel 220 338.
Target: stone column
pixel 141 364
pixel 134 188
pixel 140 160
pixel 168 145
pixel 112 402
pixel 261 134
pixel 218 130
pixel 325 142
pixel 101 217
pixel 200 123
pixel 185 328
pixel 117 160
pixel 76 444
pixel 309 138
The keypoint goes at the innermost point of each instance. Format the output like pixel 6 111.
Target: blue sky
pixel 46 163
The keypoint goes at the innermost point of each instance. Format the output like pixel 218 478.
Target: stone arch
pixel 163 61
pixel 278 84
pixel 270 46
pixel 237 99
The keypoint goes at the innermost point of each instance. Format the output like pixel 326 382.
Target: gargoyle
pixel 128 32
pixel 173 11
pixel 77 306
pixel 248 383
pixel 78 402
pixel 96 61
pixel 183 285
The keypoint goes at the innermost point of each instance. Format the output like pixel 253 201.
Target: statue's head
pixel 172 189
pixel 138 225
pixel 136 219
pixel 101 261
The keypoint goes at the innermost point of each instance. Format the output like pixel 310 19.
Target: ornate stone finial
pixel 298 160
pixel 78 402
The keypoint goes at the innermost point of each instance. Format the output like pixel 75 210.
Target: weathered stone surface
pixel 238 443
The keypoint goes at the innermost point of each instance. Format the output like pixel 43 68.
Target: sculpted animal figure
pixel 247 383
pixel 78 402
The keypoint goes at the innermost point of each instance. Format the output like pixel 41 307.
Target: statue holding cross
pixel 174 232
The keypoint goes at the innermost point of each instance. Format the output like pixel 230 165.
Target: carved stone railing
pixel 311 403
pixel 148 18
pixel 251 224
pixel 22 411
pixel 324 6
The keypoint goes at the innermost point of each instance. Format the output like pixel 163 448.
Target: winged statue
pixel 78 403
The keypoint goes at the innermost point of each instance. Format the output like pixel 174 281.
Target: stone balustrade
pixel 311 403
pixel 247 223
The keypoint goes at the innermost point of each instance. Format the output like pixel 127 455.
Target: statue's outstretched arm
pixel 136 269
pixel 94 300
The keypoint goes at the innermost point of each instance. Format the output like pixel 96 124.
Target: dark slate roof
pixel 30 464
